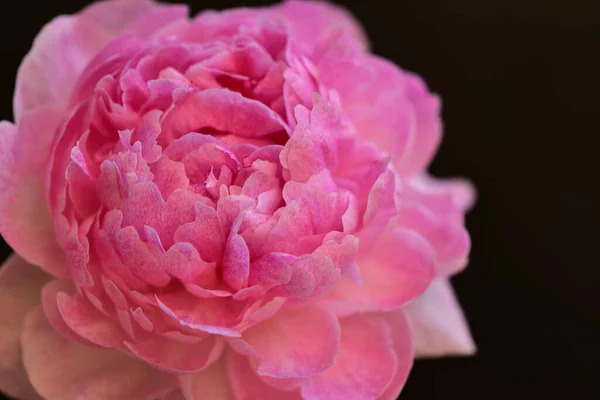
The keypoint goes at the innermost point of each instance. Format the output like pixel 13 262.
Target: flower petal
pixel 403 344
pixel 364 366
pixel 25 220
pixel 20 287
pixel 313 22
pixel 399 269
pixel 295 343
pixel 440 327
pixel 59 54
pixel 209 384
pixel 246 384
pixel 142 17
pixel 61 369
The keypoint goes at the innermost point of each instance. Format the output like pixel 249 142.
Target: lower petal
pixel 364 367
pixel 403 344
pixel 296 343
pixel 246 384
pixel 208 384
pixel 440 327
pixel 60 369
pixel 20 286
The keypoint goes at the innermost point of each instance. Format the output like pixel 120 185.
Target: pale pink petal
pixel 295 343
pixel 217 316
pixel 364 367
pixel 175 357
pixel 25 219
pixel 209 384
pixel 440 327
pixel 246 384
pixel 396 271
pixel 142 17
pixel 314 22
pixel 60 369
pixel 20 288
pixel 428 126
pixel 59 54
pixel 403 345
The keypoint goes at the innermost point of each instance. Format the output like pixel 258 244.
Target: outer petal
pixel 296 343
pixel 440 327
pixel 60 369
pixel 25 220
pixel 399 269
pixel 315 22
pixel 59 54
pixel 141 17
pixel 208 384
pixel 247 385
pixel 20 287
pixel 403 344
pixel 364 366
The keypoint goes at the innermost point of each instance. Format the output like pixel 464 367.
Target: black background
pixel 519 80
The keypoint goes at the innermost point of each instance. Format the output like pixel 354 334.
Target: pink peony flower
pixel 229 207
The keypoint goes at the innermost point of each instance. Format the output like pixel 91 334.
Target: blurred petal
pixel 208 384
pixel 315 22
pixel 60 369
pixel 364 366
pixel 440 327
pixel 141 17
pixel 295 343
pixel 25 220
pixel 20 287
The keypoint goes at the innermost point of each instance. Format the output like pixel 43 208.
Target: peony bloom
pixel 232 207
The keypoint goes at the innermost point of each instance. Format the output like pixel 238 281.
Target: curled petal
pixel 440 327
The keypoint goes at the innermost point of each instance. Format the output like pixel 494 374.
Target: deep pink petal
pixel 396 271
pixel 224 111
pixel 295 343
pixel 363 368
pixel 246 384
pixel 25 220
pixel 60 369
pixel 440 327
pixel 20 288
pixel 211 383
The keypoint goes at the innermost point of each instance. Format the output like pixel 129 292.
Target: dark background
pixel 521 94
